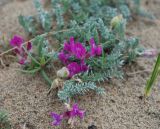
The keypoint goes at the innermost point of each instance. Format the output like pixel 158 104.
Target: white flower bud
pixel 63 73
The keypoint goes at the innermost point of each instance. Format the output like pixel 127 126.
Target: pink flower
pixel 74 55
pixel 75 68
pixel 70 114
pixel 17 41
pixel 150 53
pixel 79 51
pixel 29 46
pixel 99 50
pixel 64 57
pixel 76 112
pixel 22 60
pixel 57 119
pixel 95 50
pixel 72 50
pixel 67 47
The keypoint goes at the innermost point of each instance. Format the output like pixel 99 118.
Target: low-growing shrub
pixel 90 44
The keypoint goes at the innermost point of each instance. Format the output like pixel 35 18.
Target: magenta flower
pixel 22 60
pixel 29 46
pixel 77 112
pixel 75 68
pixel 64 57
pixel 72 49
pixel 79 51
pixel 72 43
pixel 74 55
pixel 71 114
pixel 95 50
pixel 17 41
pixel 57 119
pixel 67 47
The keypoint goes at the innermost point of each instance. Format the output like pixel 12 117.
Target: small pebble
pixel 92 127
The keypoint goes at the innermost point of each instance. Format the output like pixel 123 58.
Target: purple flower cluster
pixel 70 114
pixel 72 50
pixel 17 41
pixel 74 55
pixel 75 68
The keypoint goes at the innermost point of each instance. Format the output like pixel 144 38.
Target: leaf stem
pixel 45 76
pixel 33 59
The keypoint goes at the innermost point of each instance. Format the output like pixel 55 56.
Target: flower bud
pixel 150 53
pixel 63 73
pixel 99 50
pixel 116 20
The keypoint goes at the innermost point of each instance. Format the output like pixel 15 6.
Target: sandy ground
pixel 25 97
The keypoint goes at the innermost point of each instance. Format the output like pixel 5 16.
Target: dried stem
pixel 44 35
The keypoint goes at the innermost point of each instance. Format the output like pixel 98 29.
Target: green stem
pixel 29 71
pixel 45 76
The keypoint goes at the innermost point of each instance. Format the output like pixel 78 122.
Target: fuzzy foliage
pixel 72 88
pixel 64 11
